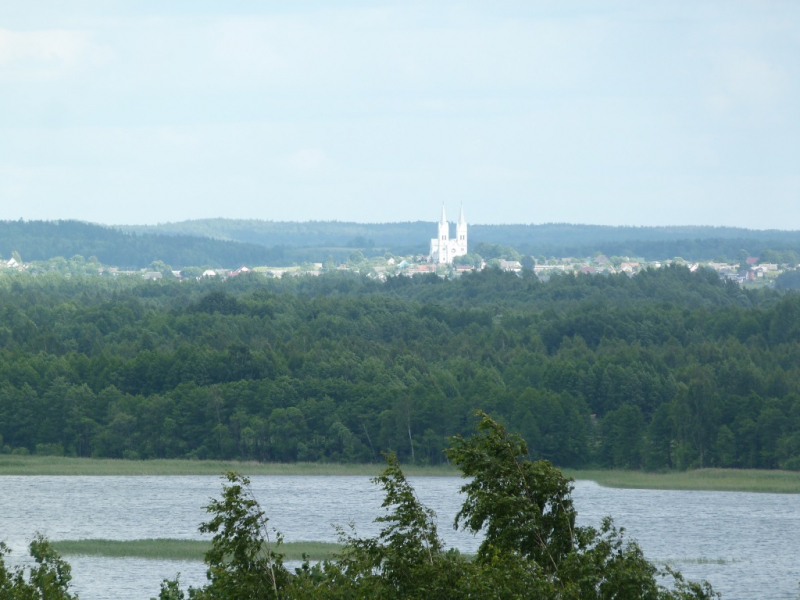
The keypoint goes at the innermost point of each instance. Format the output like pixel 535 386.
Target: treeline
pixel 650 243
pixel 44 240
pixel 410 237
pixel 218 243
pixel 668 369
pixel 788 280
pixel 549 239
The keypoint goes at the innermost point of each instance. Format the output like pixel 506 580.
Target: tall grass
pixel 734 480
pixel 172 549
pixel 62 465
pixel 700 560
pixel 730 480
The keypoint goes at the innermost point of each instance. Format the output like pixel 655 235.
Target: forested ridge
pixel 668 369
pixel 229 243
pixel 44 240
pixel 545 239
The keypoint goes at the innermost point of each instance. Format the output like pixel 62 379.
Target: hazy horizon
pixel 618 113
pixel 452 221
pixel 432 222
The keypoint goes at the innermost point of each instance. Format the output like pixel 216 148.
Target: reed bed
pixel 731 480
pixel 699 560
pixel 727 480
pixel 174 549
pixel 63 465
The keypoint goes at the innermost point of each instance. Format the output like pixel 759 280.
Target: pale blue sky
pixel 606 112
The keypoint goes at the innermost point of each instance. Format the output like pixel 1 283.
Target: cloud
pixel 748 89
pixel 307 160
pixel 15 183
pixel 43 55
pixel 574 111
pixel 755 81
pixel 397 49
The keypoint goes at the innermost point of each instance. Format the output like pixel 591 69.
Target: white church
pixel 443 248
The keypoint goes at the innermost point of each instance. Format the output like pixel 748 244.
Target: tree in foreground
pixel 532 546
pixel 48 579
pixel 525 509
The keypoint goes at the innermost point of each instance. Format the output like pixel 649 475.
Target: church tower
pixel 444 239
pixel 461 233
pixel 444 248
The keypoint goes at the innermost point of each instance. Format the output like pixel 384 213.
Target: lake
pixel 746 545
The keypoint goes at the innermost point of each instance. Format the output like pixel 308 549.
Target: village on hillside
pixel 448 257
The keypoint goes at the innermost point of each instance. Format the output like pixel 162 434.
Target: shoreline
pixel 730 480
pixel 706 480
pixel 110 467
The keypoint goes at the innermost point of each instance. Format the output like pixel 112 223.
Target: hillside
pixel 43 240
pixel 227 243
pixel 549 239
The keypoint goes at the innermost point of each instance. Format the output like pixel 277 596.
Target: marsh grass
pixel 700 560
pixel 730 480
pixel 172 549
pixel 63 465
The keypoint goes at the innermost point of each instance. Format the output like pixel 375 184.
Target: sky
pixel 598 111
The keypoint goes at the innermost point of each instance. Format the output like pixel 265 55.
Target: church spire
pixel 444 219
pixel 461 219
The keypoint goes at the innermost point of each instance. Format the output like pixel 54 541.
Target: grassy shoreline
pixel 174 549
pixel 64 465
pixel 714 480
pixel 732 480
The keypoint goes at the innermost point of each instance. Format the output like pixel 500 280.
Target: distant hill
pixel 550 239
pixel 228 243
pixel 43 240
pixel 400 237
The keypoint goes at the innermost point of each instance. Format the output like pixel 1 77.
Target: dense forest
pixel 549 239
pixel 44 240
pixel 668 369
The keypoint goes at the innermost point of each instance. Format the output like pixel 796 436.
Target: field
pixel 734 480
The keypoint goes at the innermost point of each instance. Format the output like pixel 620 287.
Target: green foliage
pixel 524 506
pixel 533 549
pixel 43 242
pixel 640 372
pixel 525 509
pixel 241 562
pixel 789 280
pixel 48 579
pixel 404 557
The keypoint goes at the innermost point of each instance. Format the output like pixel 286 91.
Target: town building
pixel 443 248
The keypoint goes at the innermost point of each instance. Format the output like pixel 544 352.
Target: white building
pixel 443 248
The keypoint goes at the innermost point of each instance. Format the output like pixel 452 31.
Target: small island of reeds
pixel 176 549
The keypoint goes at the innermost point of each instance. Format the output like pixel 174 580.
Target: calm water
pixel 746 545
